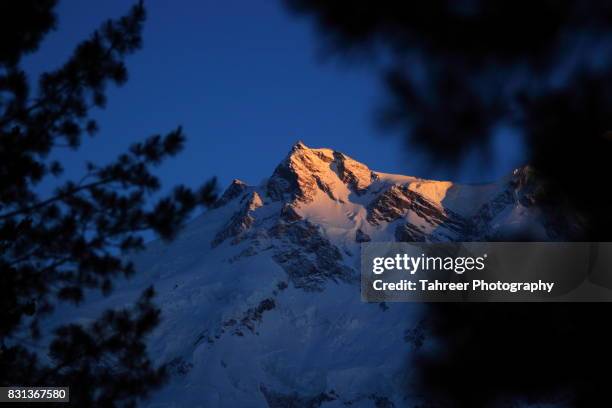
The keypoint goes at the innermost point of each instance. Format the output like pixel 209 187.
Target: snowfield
pixel 260 295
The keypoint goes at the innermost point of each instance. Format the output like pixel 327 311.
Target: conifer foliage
pixel 56 248
pixel 455 72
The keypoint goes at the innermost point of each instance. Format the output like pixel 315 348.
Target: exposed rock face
pixel 235 189
pixel 308 178
pixel 409 233
pixel 241 221
pixel 361 236
pixel 398 201
pixel 305 172
pixel 288 213
pixel 296 177
pixel 264 286
pixel 356 175
pixel 307 256
pixel 521 193
pixel 244 323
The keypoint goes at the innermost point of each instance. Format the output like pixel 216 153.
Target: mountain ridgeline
pixel 324 202
pixel 260 295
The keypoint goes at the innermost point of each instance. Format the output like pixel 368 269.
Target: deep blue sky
pixel 244 80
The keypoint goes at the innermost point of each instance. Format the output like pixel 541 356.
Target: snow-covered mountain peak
pixel 235 188
pixel 306 173
pixel 299 145
pixel 350 203
pixel 260 294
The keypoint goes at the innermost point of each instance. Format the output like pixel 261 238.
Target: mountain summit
pixel 260 295
pixel 306 171
pixel 345 198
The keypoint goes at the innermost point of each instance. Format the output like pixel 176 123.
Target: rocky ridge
pixel 260 295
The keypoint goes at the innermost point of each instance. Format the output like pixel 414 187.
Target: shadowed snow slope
pixel 260 294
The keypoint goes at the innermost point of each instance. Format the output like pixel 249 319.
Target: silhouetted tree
pixel 56 248
pixel 457 71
